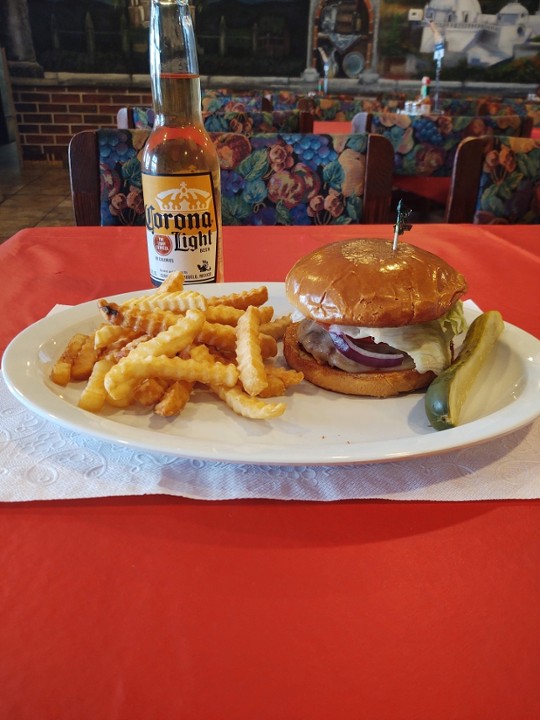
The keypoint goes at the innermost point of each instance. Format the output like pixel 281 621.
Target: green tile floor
pixel 31 195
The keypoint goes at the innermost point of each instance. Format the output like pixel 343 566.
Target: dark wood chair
pixel 83 160
pixel 84 168
pixel 465 181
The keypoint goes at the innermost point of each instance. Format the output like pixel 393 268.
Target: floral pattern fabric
pixel 331 107
pixel 121 197
pixel 143 117
pixel 212 101
pixel 426 145
pixel 254 122
pixel 510 182
pixel 266 179
pixel 292 179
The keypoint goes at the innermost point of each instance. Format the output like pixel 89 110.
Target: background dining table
pixel 164 606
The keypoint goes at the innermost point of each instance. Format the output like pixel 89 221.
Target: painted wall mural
pixel 492 40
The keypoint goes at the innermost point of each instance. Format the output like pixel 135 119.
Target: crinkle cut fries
pixel 155 349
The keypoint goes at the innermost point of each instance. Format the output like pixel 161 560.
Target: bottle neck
pixel 174 69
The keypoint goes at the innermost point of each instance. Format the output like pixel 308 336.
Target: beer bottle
pixel 425 97
pixel 180 166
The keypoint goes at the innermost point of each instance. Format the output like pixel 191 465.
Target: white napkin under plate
pixel 40 460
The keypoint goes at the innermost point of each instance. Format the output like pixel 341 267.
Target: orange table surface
pixel 162 607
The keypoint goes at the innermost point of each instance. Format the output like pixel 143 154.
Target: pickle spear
pixel 445 396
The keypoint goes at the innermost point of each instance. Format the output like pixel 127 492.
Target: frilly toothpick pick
pixel 401 225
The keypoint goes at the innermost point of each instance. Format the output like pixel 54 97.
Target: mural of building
pixel 483 39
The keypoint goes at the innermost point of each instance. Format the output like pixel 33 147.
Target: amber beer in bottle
pixel 180 166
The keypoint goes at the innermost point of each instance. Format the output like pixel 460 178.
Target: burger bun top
pixel 365 282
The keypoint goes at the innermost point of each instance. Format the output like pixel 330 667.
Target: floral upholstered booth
pixel 266 179
pixel 425 145
pixel 212 101
pixel 247 123
pixel 333 107
pixel 509 189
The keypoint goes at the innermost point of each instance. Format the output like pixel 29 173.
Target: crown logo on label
pixel 184 199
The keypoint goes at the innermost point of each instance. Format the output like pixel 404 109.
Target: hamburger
pixel 370 320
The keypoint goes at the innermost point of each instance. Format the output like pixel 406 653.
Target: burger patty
pixel 317 342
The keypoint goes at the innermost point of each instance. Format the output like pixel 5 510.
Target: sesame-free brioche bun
pixel 373 384
pixel 364 282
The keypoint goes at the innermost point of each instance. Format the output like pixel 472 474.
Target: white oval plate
pixel 318 427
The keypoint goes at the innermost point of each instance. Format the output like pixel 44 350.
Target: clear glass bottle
pixel 180 166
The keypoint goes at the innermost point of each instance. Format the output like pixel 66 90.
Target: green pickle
pixel 446 395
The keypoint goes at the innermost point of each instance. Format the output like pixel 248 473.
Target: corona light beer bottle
pixel 180 167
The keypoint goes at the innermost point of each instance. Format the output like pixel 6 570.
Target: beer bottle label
pixel 182 228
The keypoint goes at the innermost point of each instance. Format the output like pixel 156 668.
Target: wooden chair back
pixel 334 179
pixel 83 161
pixel 465 181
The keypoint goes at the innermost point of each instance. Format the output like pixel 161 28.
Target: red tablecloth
pixel 158 607
pixel 68 265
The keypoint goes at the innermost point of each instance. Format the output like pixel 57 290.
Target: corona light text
pixel 184 242
pixel 171 222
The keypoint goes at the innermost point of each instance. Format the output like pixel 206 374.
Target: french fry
pixel 61 370
pixel 287 377
pixel 137 319
pixel 247 406
pixel 178 302
pixel 107 334
pixel 223 314
pixel 150 391
pixel 256 296
pixel 121 380
pixel 276 328
pixel 84 361
pixel 222 337
pixel 249 354
pixel 279 379
pixel 176 368
pixel 174 399
pixel 94 395
pixel 173 282
pixel 121 348
pixel 275 387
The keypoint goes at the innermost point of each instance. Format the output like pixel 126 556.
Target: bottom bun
pixel 373 384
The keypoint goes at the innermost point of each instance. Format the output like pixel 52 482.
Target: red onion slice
pixel 366 351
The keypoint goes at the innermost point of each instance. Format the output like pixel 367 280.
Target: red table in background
pixel 332 126
pixel 160 607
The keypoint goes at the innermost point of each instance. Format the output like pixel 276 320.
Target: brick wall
pixel 49 116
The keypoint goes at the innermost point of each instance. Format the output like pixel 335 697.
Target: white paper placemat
pixel 41 461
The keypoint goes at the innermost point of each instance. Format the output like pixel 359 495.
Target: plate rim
pixel 433 443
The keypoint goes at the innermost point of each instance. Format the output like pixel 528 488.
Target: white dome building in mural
pixel 483 39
